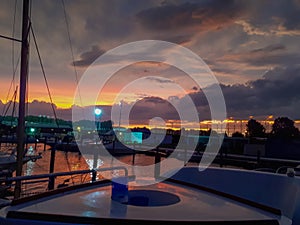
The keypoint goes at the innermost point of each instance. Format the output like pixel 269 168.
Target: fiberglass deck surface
pixel 193 205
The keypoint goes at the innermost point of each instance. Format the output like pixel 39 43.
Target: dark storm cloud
pixel 87 58
pixel 44 108
pixel 168 16
pixel 271 55
pixel 150 107
pixel 275 60
pixel 221 69
pixel 153 53
pixel 280 17
pixel 179 39
pixel 110 23
pixel 291 15
pixel 279 87
pixel 113 19
pixel 289 11
pixel 276 93
pixel 171 16
pixel 159 80
pixel 270 48
pixel 153 100
pixel 34 108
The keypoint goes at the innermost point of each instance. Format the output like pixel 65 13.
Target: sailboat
pixel 8 161
pixel 14 160
pixel 189 196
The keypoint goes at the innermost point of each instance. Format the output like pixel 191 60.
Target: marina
pixel 97 169
pixel 94 192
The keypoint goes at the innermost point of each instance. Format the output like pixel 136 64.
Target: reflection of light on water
pixel 30 150
pixel 30 164
pixel 77 162
pixel 29 168
pixel 94 163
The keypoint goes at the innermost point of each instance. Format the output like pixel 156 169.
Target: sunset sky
pixel 252 47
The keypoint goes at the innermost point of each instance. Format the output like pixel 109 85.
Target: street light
pixel 98 113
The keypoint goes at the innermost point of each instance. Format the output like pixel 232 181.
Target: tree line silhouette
pixel 283 127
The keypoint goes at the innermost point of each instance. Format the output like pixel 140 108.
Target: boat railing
pixel 51 177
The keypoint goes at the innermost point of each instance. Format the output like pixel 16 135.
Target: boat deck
pixel 165 202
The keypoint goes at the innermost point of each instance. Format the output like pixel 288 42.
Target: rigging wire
pixel 45 78
pixel 71 49
pixel 14 106
pixel 69 167
pixel 13 44
pixel 14 69
pixel 10 87
pixel 10 102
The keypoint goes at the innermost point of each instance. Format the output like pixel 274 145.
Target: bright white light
pixel 98 112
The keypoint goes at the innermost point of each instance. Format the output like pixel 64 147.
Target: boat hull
pixel 199 193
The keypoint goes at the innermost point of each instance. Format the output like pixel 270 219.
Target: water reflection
pixel 71 161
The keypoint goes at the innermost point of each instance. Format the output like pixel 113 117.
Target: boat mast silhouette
pixel 22 96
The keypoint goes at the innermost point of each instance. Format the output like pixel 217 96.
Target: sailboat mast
pixel 22 97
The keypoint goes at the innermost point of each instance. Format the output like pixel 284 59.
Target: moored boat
pixel 213 196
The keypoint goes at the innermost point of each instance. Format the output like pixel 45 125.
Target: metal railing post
pixel 51 183
pixel 157 164
pixel 94 175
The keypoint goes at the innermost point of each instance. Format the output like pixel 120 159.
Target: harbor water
pixel 74 161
